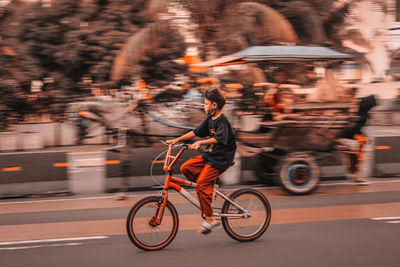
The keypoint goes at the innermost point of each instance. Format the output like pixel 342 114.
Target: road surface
pixel 339 225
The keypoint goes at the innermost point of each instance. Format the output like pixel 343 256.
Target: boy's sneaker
pixel 207 227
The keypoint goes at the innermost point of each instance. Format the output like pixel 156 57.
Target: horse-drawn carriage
pixel 291 152
pixel 289 149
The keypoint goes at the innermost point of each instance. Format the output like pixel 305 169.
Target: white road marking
pixel 52 240
pixel 63 199
pixel 40 246
pixel 385 218
pixel 348 182
pixel 87 198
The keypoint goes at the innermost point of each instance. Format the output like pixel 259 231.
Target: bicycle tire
pixel 148 237
pixel 251 228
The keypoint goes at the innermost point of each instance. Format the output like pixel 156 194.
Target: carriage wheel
pixel 298 173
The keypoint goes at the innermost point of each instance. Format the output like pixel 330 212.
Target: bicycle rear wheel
pixel 246 228
pixel 141 229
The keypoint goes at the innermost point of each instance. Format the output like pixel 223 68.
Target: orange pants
pixel 196 170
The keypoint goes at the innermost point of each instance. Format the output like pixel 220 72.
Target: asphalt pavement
pixel 341 224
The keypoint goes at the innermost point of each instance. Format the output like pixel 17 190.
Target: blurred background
pixel 57 52
pixel 89 88
pixel 130 73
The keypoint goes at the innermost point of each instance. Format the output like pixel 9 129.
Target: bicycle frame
pixel 177 183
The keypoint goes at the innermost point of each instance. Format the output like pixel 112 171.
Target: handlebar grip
pixel 183 144
pixel 186 145
pixel 201 150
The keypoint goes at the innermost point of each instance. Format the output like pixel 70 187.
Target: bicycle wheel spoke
pixel 143 232
pixel 157 233
pixel 254 223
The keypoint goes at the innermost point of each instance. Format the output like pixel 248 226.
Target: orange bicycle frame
pixel 175 183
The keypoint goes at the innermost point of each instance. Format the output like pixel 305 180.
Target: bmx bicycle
pixel 152 223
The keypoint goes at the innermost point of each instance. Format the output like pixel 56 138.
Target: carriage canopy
pixel 282 54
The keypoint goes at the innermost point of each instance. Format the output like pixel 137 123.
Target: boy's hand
pixel 172 141
pixel 194 146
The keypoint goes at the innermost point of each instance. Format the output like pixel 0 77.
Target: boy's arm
pixel 184 137
pixel 197 144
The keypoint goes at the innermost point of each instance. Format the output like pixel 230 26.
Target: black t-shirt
pixel 222 153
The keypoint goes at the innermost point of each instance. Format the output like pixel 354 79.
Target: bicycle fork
pixel 157 218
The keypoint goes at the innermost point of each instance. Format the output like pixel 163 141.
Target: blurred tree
pixel 73 39
pixel 150 54
pixel 251 23
pixel 13 99
pixel 315 21
pixel 258 25
pixel 227 26
pixel 158 68
pixel 68 41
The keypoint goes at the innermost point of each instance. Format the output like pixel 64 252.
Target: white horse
pixel 141 122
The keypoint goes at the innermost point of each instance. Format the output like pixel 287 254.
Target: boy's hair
pixel 215 95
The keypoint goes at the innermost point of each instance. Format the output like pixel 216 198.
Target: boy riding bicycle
pixel 206 168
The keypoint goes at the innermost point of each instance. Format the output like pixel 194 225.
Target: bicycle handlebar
pixel 168 156
pixel 184 144
pixel 176 145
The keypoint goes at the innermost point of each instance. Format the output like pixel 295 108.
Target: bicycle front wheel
pixel 142 230
pixel 251 226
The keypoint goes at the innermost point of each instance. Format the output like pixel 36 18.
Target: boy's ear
pixel 214 105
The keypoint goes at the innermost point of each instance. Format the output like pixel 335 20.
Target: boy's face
pixel 209 107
